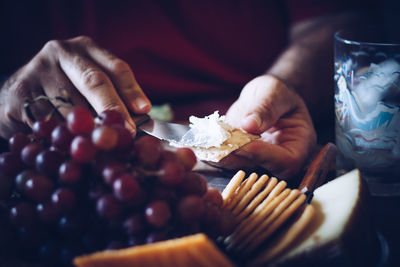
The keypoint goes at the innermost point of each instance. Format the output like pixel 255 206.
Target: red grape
pixel 163 193
pixel 97 191
pixel 47 212
pixel 49 161
pixel 38 187
pixel 126 188
pixel 190 208
pixel 125 139
pixel 212 216
pixel 82 150
pixel 22 214
pixel 6 185
pixel 187 157
pixel 227 223
pixel 110 117
pixel 17 142
pixel 111 171
pixel 172 173
pixel 43 128
pixel 158 213
pixel 194 183
pixel 138 200
pixel 30 152
pixel 135 241
pixel 69 172
pixel 21 178
pixel 105 137
pixel 148 150
pixel 10 163
pixel 61 138
pixel 64 200
pixel 156 237
pixel 71 226
pixel 214 197
pixel 108 207
pixel 80 121
pixel 169 156
pixel 135 224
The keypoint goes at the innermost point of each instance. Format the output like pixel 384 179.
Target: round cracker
pixel 280 244
pixel 233 184
pixel 250 194
pixel 242 190
pixel 252 221
pixel 260 197
pixel 277 223
pixel 266 222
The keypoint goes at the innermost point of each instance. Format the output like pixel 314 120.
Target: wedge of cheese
pixel 194 251
pixel 341 232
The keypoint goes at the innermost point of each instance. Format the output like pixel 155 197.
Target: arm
pixel 307 64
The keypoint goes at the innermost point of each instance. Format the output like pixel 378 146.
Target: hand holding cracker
pixel 268 107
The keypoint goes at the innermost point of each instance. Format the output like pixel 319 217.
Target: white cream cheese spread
pixel 212 138
pixel 210 131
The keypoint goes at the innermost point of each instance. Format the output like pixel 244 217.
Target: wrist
pixel 282 83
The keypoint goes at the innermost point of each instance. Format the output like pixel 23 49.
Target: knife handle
pixel 319 167
pixel 140 119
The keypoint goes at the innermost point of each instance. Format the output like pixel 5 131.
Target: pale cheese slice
pixel 341 232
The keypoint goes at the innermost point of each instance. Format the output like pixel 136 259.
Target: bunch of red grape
pixel 85 185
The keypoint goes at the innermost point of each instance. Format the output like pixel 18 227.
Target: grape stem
pixel 65 99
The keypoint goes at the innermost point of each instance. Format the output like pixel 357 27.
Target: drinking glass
pixel 367 108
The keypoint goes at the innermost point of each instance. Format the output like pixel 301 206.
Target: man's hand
pixel 268 107
pixel 89 75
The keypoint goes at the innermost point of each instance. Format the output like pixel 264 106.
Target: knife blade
pixel 171 132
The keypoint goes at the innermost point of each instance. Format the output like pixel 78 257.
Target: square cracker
pixel 215 154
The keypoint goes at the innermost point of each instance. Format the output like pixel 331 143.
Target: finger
pixel 121 76
pixel 282 161
pixel 32 104
pixel 56 84
pixel 234 162
pixel 94 85
pixel 270 99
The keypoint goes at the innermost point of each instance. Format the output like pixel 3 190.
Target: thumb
pixel 270 98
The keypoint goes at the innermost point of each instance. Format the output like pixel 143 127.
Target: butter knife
pixel 171 132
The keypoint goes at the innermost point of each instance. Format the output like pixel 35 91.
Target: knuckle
pixel 94 79
pixel 52 46
pixel 40 62
pixel 119 66
pixel 8 112
pixel 113 105
pixel 22 89
pixel 267 111
pixel 83 39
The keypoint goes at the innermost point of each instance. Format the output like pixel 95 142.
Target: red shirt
pixel 196 55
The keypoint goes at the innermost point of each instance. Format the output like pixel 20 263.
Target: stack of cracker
pixel 261 205
pixel 269 215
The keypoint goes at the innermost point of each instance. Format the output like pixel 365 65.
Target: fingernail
pixel 251 119
pixel 142 104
